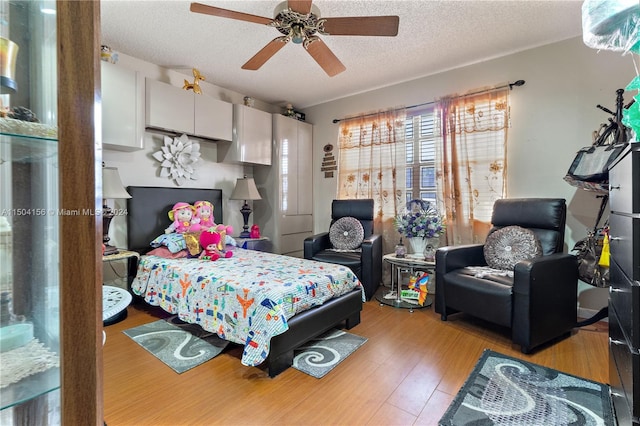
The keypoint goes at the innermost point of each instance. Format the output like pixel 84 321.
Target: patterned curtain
pixel 371 148
pixel 471 161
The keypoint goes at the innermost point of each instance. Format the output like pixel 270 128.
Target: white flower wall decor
pixel 177 159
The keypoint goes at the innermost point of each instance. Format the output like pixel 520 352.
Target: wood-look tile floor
pixel 407 373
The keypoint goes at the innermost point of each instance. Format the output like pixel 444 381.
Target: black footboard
pixel 312 323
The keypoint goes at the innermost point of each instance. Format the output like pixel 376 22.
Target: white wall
pixel 139 168
pixel 552 116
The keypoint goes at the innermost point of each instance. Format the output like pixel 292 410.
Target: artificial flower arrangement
pixel 420 220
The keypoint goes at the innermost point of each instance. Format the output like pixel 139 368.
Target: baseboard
pixel 584 313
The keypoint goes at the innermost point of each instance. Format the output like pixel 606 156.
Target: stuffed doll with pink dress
pixel 202 217
pixel 180 215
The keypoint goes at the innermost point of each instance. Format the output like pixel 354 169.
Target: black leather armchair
pixel 539 303
pixel 367 264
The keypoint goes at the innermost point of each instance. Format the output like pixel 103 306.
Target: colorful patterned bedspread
pixel 246 299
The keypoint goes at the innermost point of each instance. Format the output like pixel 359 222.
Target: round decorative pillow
pixel 509 245
pixel 346 233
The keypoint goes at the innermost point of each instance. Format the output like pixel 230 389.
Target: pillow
pixel 167 254
pixel 174 242
pixel 509 245
pixel 346 233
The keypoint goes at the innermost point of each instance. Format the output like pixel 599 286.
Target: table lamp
pixel 245 190
pixel 111 189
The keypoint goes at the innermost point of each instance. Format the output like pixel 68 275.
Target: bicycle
pixel 615 132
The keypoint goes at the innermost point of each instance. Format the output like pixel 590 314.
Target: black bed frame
pixel 147 218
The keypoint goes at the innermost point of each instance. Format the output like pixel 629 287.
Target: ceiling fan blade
pixel 325 57
pixel 265 54
pixel 303 7
pixel 362 26
pixel 225 13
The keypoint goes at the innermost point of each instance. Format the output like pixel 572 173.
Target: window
pixel 420 156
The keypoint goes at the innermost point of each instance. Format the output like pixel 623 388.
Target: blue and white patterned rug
pixel 321 355
pixel 179 345
pixel 502 390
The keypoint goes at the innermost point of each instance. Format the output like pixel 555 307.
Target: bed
pixel 270 304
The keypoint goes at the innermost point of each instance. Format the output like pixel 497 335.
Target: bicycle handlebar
pixel 605 109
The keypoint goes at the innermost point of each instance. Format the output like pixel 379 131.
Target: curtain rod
pixel 509 85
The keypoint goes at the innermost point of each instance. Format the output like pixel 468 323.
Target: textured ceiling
pixel 433 36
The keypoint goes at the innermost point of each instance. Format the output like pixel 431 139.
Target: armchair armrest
pixel 549 274
pixel 450 258
pixel 545 298
pixel 315 244
pixel 456 257
pixel 371 264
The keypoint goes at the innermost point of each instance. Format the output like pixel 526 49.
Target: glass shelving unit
pixel 29 214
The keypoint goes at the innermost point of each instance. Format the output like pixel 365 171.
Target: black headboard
pixel 148 208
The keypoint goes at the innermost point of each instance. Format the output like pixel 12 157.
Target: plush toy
pixel 255 232
pixel 210 241
pixel 202 217
pixel 180 215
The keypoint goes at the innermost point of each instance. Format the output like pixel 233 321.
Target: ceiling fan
pixel 300 22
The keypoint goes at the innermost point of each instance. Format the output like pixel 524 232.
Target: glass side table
pixel 132 258
pixel 398 267
pixel 258 244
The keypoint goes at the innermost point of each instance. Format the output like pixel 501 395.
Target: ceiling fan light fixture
pixel 299 21
pixel 297 34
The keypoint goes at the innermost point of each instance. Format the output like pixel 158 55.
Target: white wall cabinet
pixel 252 132
pixel 122 108
pixel 285 213
pixel 173 109
pixel 212 118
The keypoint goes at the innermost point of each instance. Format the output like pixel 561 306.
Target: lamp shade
pixel 245 190
pixel 112 185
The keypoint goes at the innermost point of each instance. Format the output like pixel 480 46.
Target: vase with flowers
pixel 421 224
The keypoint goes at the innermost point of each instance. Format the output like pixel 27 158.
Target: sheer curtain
pixel 371 148
pixel 471 161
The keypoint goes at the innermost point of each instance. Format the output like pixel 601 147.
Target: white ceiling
pixel 433 36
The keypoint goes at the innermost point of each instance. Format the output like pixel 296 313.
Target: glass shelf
pixel 29 213
pixel 29 283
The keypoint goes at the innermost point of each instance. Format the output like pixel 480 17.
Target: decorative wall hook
pixel 195 86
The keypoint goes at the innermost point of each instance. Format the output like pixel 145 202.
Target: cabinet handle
pixel 614 238
pixel 612 187
pixel 616 342
pixel 615 290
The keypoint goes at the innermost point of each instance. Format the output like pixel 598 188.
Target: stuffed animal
pixel 210 241
pixel 180 215
pixel 255 232
pixel 202 217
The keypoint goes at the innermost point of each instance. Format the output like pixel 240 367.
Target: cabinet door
pixel 305 168
pixel 122 108
pixel 213 118
pixel 168 107
pixel 251 137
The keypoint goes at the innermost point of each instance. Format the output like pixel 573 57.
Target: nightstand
pixel 131 257
pixel 258 244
